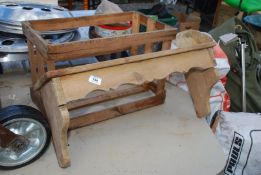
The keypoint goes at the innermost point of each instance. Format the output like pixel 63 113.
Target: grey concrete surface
pixel 163 140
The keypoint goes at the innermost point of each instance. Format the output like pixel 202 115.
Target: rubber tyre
pixel 22 111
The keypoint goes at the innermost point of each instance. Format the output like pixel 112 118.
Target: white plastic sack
pixel 107 7
pixel 173 2
pixel 240 136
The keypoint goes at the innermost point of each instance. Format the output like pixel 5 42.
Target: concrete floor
pixel 167 139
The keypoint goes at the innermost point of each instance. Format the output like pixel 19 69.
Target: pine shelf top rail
pixel 33 29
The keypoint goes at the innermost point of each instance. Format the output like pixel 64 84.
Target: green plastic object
pixel 171 20
pixel 249 6
pixel 167 18
pixel 154 17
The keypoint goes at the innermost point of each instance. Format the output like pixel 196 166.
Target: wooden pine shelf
pixel 59 91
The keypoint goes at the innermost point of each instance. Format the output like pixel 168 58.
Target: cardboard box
pixel 186 22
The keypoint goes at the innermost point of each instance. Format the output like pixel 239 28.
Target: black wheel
pixel 31 125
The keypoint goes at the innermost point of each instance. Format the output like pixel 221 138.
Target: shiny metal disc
pixel 13 13
pixel 9 57
pixel 34 133
pixel 15 44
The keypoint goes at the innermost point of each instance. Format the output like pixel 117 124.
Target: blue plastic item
pixel 254 20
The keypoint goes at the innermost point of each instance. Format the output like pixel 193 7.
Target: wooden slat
pixel 116 111
pixel 32 61
pixel 69 23
pixel 41 63
pixel 150 27
pixel 166 45
pixel 135 29
pixel 84 54
pixel 99 51
pixel 137 58
pixel 112 43
pixel 105 97
pixel 35 38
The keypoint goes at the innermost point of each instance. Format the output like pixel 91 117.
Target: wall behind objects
pixel 37 1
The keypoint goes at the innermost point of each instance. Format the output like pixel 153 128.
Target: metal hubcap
pixel 16 44
pixel 12 14
pixel 24 149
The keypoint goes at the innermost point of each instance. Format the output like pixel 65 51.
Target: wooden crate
pixel 59 91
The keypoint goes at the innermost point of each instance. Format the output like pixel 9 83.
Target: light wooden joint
pixel 58 117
